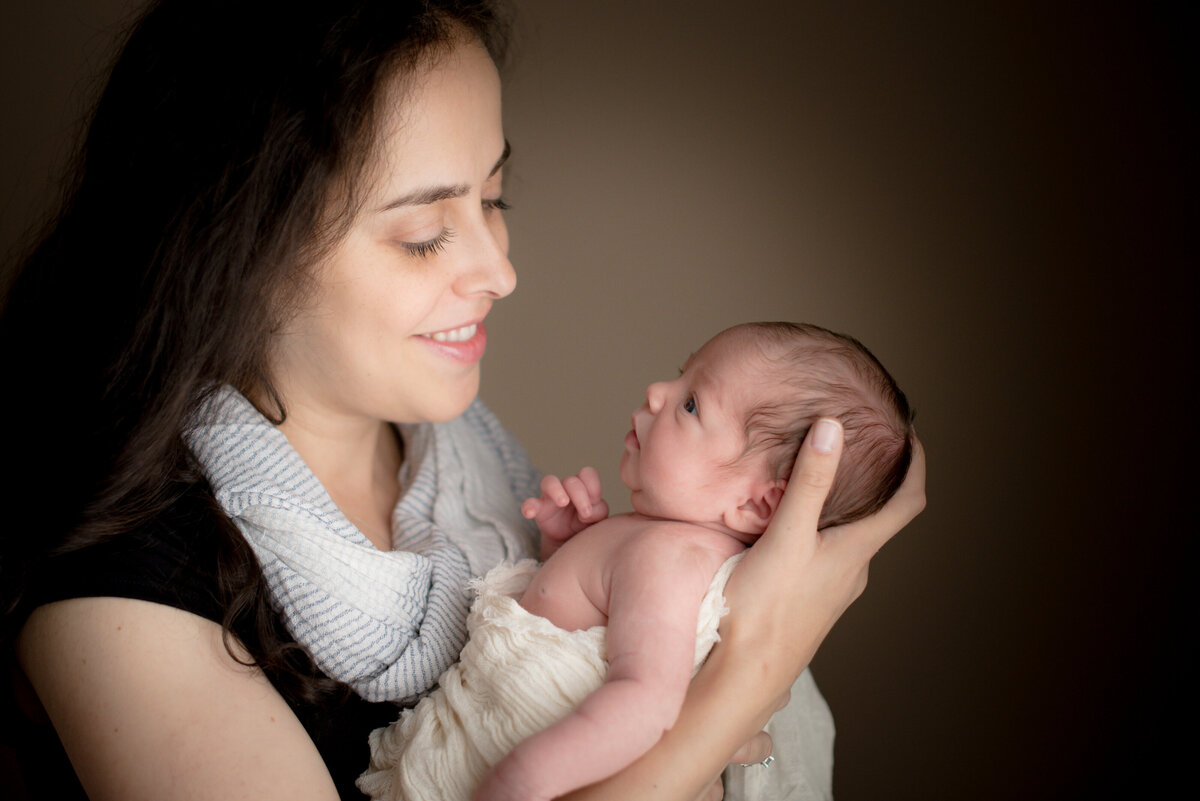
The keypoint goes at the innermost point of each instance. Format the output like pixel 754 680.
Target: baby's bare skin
pixel 644 579
pixel 574 590
pixel 698 500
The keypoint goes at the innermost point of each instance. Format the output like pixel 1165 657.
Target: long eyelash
pixel 498 204
pixel 424 250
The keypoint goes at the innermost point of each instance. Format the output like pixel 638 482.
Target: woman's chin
pixel 457 402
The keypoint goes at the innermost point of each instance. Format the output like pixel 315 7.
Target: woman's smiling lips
pixel 464 344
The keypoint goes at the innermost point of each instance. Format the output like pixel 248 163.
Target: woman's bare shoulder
pixel 149 703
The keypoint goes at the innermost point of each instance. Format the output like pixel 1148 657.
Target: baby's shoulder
pixel 667 565
pixel 687 544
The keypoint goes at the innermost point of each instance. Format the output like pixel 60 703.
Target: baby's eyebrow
pixel 687 363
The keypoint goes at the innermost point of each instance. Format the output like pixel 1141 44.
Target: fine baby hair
pixel 821 373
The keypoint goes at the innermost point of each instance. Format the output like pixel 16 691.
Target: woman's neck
pixel 357 462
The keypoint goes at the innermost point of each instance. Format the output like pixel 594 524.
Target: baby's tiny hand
pixel 581 491
pixel 566 507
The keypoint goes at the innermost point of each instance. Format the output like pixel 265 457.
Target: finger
pixel 812 476
pixel 753 751
pixel 784 700
pixel 599 511
pixel 912 489
pixel 552 489
pixel 872 533
pixel 910 496
pixel 714 792
pixel 578 494
pixel 591 479
pixel 530 507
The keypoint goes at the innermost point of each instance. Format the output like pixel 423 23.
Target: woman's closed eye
pixel 496 204
pixel 429 247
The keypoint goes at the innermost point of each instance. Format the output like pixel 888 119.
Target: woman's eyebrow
pixel 433 194
pixel 503 158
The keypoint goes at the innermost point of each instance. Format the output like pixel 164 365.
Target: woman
pixel 286 228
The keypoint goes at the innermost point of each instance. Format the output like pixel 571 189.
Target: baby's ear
pixel 758 507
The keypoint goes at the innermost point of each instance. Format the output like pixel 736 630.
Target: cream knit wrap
pixel 518 674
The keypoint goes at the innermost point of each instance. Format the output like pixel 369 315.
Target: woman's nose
pixel 488 272
pixel 499 278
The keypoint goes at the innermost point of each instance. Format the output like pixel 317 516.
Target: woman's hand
pixel 752 752
pixel 796 581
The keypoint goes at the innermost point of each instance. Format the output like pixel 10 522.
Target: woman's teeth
pixel 454 335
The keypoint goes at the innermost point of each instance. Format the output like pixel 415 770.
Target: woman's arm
pixel 149 705
pixel 785 596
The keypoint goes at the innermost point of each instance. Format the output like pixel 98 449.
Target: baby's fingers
pixel 553 497
pixel 553 491
pixel 591 479
pixel 530 508
pixel 577 491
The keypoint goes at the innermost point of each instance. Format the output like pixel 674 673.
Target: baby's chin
pixel 645 506
pixel 640 503
pixel 623 472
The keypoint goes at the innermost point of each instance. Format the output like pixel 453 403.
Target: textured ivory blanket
pixel 517 675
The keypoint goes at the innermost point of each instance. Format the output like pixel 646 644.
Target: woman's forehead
pixel 443 125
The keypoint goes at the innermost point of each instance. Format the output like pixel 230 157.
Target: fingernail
pixel 824 436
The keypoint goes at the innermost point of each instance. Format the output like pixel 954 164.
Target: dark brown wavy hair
pixel 217 166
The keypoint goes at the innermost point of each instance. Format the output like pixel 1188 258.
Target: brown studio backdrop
pixel 988 195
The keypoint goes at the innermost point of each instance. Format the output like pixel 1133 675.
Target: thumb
pixel 812 476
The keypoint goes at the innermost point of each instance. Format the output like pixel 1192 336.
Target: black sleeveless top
pixel 172 561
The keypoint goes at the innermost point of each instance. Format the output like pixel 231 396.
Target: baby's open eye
pixel 689 405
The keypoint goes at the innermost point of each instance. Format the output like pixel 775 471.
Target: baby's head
pixel 716 445
pixel 818 373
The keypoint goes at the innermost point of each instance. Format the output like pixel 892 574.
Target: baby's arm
pixel 565 508
pixel 656 586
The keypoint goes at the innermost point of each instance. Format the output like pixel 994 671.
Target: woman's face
pixel 395 328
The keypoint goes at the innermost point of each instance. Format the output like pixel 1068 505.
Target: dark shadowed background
pixel 998 198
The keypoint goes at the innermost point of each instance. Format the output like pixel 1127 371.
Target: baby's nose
pixel 655 394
